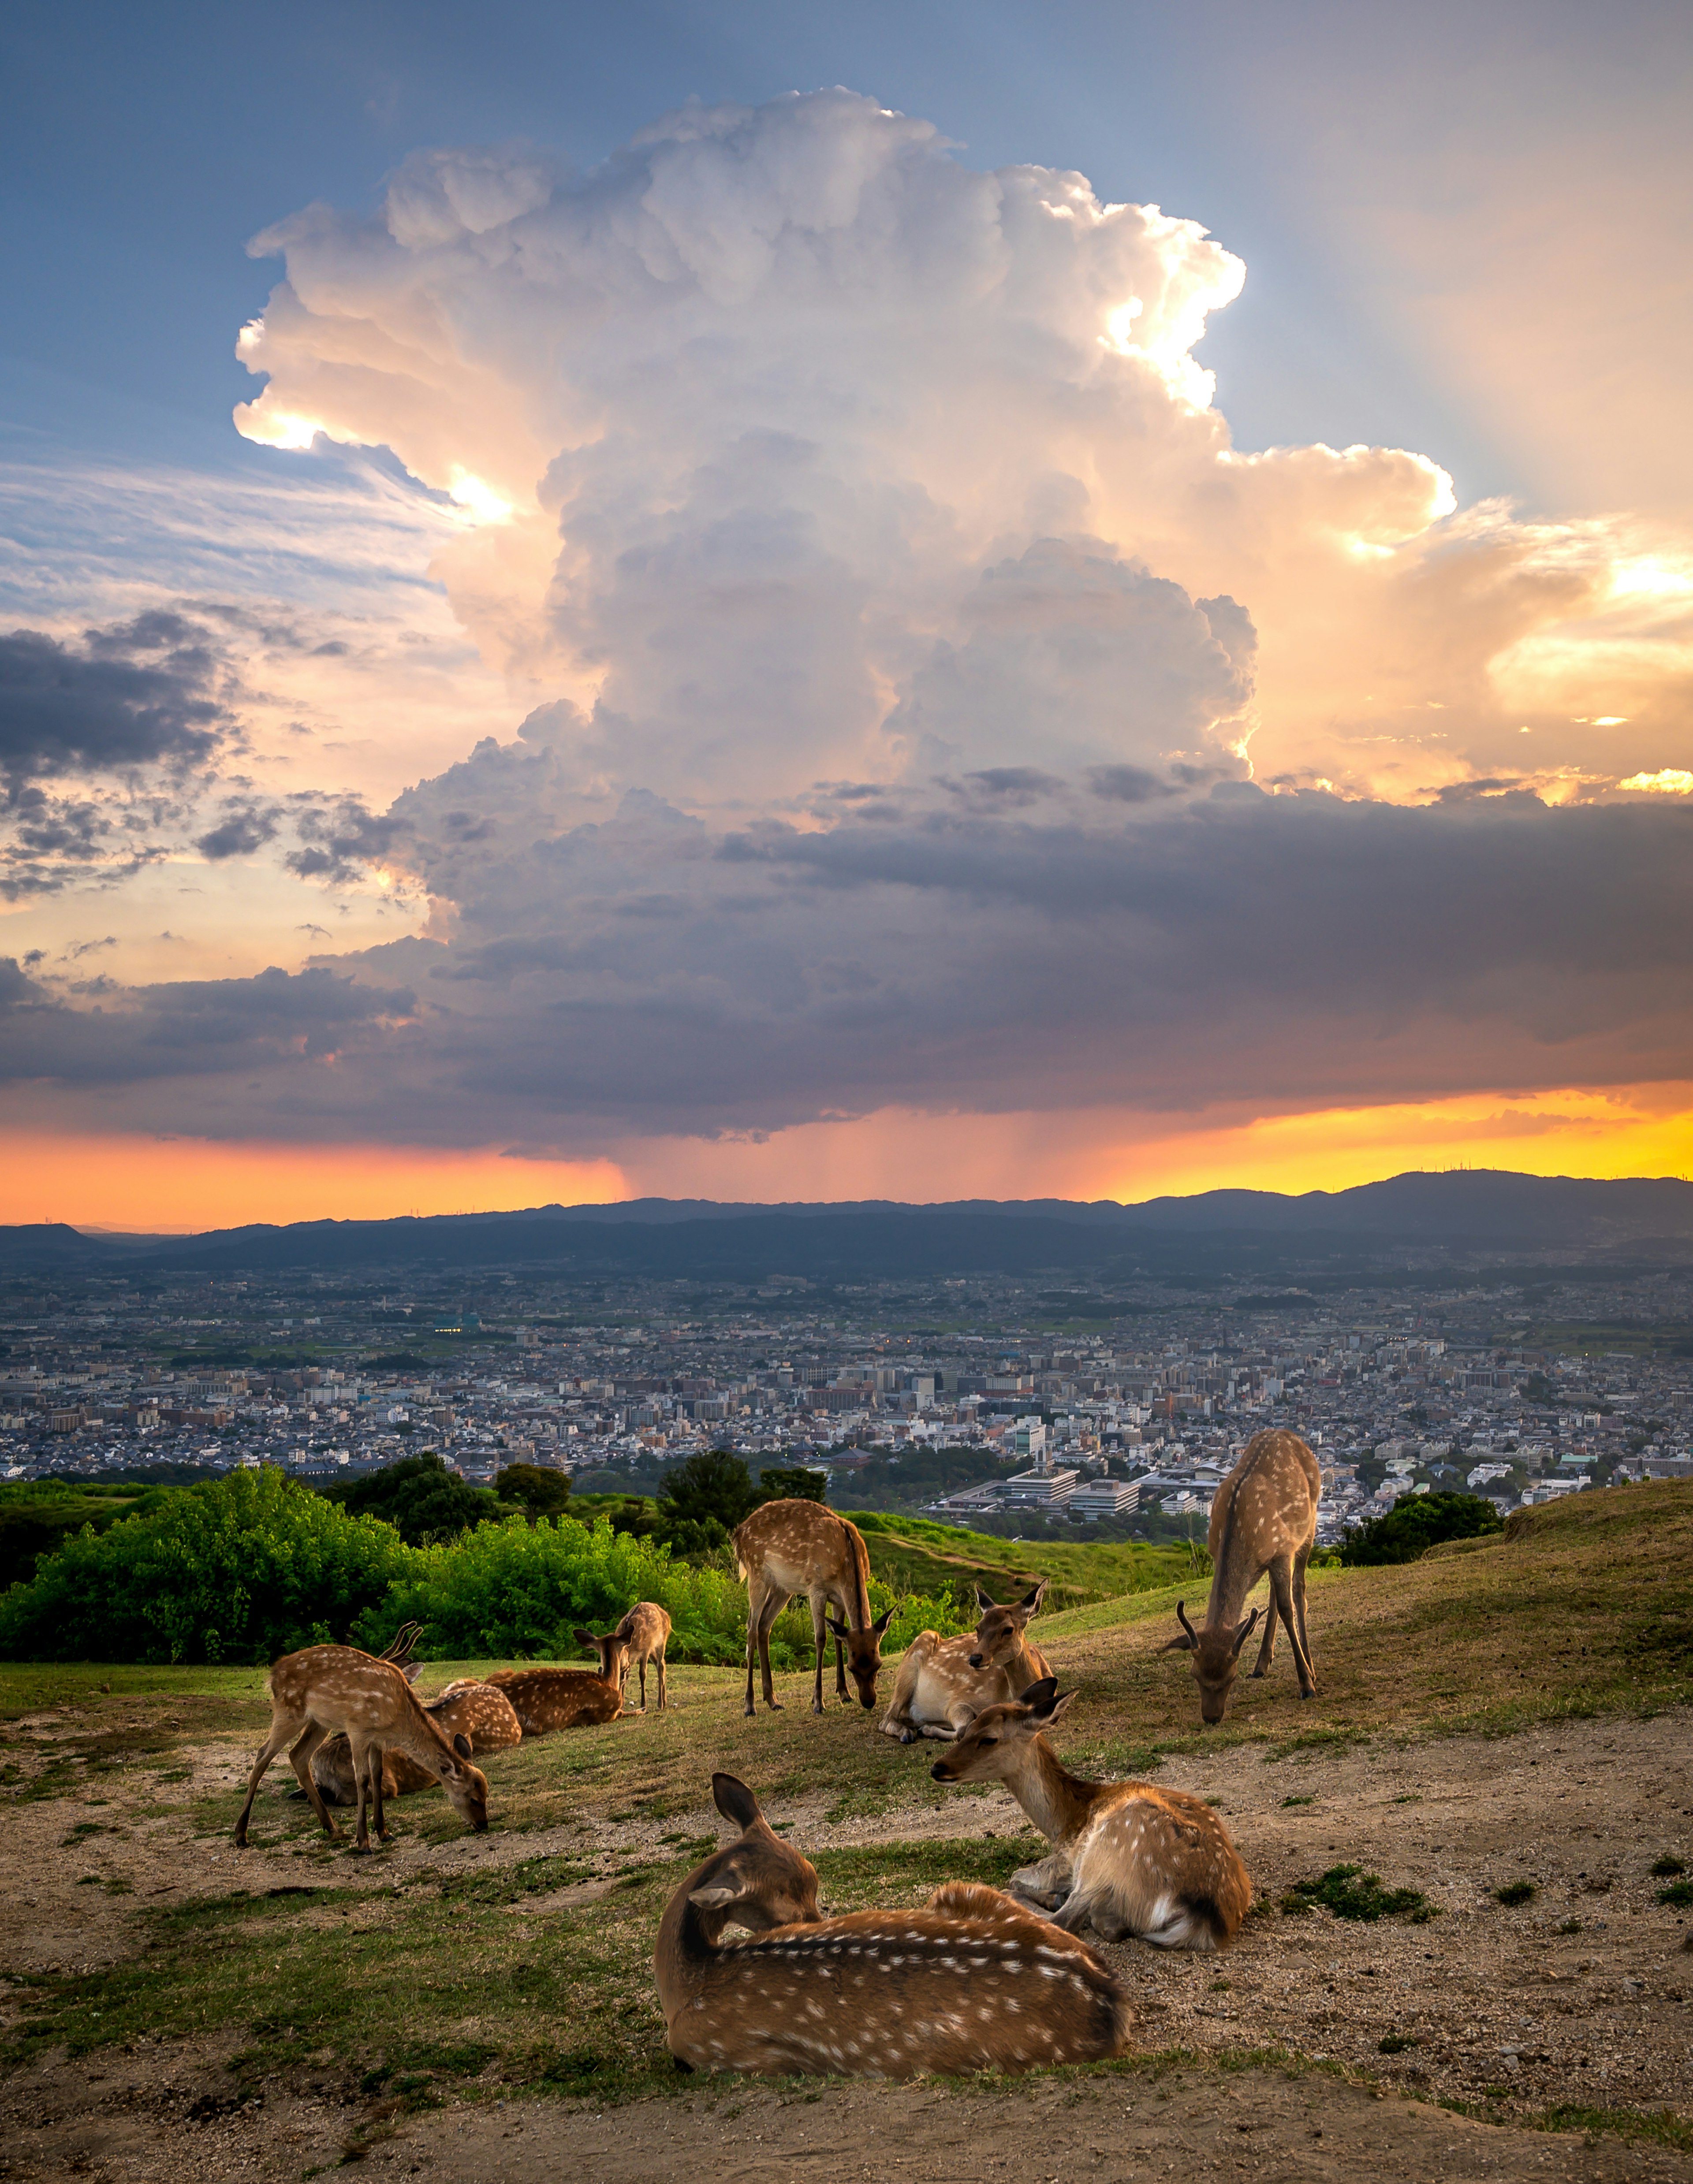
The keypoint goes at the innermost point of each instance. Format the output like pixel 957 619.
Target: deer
pixel 325 1688
pixel 640 1637
pixel 1128 1858
pixel 971 1981
pixel 547 1699
pixel 1264 1519
pixel 945 1682
pixel 786 1548
pixel 468 1709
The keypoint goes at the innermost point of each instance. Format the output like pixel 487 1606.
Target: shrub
pixel 419 1497
pixel 1516 1892
pixel 238 1569
pixel 514 1589
pixel 533 1487
pixel 1419 1521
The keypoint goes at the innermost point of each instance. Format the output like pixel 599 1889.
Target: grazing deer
pixel 973 1981
pixel 466 1708
pixel 1264 1519
pixel 546 1699
pixel 945 1682
pixel 786 1548
pixel 327 1688
pixel 1127 1857
pixel 640 1637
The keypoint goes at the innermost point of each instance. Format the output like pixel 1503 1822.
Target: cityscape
pixel 989 1403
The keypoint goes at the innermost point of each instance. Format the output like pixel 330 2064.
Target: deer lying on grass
pixel 786 1548
pixel 327 1688
pixel 945 1682
pixel 1127 1857
pixel 1264 1519
pixel 973 1981
pixel 640 1637
pixel 474 1710
pixel 546 1699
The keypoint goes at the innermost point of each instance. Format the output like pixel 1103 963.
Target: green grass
pixel 1351 1893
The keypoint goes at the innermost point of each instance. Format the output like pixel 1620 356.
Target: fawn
pixel 973 1981
pixel 640 1637
pixel 788 1547
pixel 466 1708
pixel 945 1682
pixel 546 1699
pixel 1264 1519
pixel 1127 1858
pixel 327 1688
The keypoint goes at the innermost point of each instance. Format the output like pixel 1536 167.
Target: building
pixel 1106 1497
pixel 1040 1489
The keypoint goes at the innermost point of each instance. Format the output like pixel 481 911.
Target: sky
pixel 851 602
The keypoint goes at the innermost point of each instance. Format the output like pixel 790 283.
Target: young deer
pixel 327 1688
pixel 1264 1519
pixel 973 1981
pixel 945 1682
pixel 546 1699
pixel 786 1548
pixel 474 1710
pixel 640 1637
pixel 1127 1858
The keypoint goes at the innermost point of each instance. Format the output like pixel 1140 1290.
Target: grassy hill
pixel 912 1554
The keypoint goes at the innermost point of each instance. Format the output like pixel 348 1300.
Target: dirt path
pixel 1582 1996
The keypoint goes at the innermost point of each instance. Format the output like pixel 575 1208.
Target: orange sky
pixel 182 1184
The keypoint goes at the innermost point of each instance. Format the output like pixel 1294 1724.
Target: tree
pixel 1415 1524
pixel 535 1489
pixel 792 1483
pixel 419 1497
pixel 702 1500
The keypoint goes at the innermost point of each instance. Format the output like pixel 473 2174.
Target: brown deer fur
pixel 945 1682
pixel 786 1548
pixel 1127 1857
pixel 327 1688
pixel 1264 1519
pixel 474 1710
pixel 546 1699
pixel 640 1637
pixel 973 1981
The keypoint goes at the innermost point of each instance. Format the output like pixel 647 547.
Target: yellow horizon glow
pixel 179 1184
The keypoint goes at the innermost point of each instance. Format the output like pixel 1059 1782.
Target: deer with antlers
pixel 640 1637
pixel 325 1688
pixel 1264 1519
pixel 786 1548
pixel 548 1699
pixel 1127 1857
pixel 476 1711
pixel 973 1981
pixel 945 1682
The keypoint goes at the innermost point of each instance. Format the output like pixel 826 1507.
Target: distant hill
pixel 1250 1232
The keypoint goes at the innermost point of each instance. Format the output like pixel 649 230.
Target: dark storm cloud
pixel 143 694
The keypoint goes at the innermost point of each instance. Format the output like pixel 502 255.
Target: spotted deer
pixel 330 1688
pixel 786 1548
pixel 640 1637
pixel 1264 1519
pixel 972 1981
pixel 945 1682
pixel 1127 1857
pixel 466 1708
pixel 548 1699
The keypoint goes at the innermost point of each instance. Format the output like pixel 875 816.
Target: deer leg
pixel 1267 1650
pixel 300 1757
pixel 377 1764
pixel 820 1642
pixel 1046 1884
pixel 1296 1632
pixel 280 1731
pixel 774 1605
pixel 662 1700
pixel 643 1683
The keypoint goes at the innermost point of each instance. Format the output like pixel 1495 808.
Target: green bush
pixel 239 1569
pixel 419 1497
pixel 1419 1521
pixel 518 1589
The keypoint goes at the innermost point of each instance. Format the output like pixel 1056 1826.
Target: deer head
pixel 994 1746
pixel 864 1650
pixel 467 1787
pixel 1000 1632
pixel 1216 1660
pixel 613 1651
pixel 759 1881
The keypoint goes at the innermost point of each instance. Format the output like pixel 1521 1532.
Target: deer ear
pixel 584 1637
pixel 734 1801
pixel 837 1626
pixel 1039 1697
pixel 714 1897
pixel 881 1623
pixel 983 1601
pixel 1244 1633
pixel 1184 1644
pixel 462 1744
pixel 1061 1707
pixel 1032 1600
pixel 413 1672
